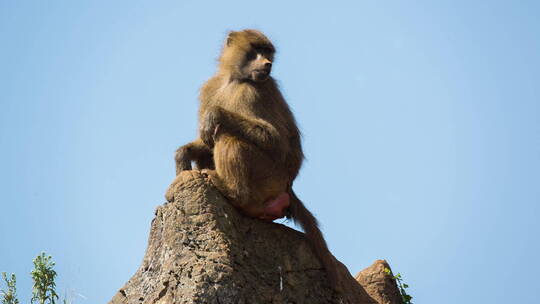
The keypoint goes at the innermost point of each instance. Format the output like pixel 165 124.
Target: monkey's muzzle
pixel 260 75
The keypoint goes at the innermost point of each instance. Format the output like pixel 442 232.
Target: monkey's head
pixel 247 56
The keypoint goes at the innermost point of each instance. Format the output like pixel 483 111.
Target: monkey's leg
pixel 195 151
pixel 205 161
pixel 232 164
pixel 270 197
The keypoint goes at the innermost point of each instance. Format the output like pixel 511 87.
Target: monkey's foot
pixel 182 178
pixel 275 208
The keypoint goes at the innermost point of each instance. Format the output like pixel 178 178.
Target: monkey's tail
pixel 301 215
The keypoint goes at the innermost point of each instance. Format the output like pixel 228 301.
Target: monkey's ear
pixel 230 37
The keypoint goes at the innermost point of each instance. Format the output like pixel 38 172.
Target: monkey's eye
pixel 267 51
pixel 251 55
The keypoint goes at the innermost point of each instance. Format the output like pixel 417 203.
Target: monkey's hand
pixel 211 140
pixel 217 121
pixel 210 127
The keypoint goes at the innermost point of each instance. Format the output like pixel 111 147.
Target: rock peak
pixel 201 250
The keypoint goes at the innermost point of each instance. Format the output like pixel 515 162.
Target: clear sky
pixel 420 120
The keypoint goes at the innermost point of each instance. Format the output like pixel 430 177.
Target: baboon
pixel 249 139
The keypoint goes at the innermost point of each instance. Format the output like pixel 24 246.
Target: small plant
pixel 43 276
pixel 9 296
pixel 405 298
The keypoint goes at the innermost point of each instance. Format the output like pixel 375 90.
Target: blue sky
pixel 420 120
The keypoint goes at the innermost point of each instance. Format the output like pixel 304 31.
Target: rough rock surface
pixel 379 285
pixel 201 250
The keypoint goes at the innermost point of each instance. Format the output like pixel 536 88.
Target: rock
pixel 379 284
pixel 202 250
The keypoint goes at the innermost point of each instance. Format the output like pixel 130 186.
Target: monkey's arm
pixel 217 120
pixel 196 151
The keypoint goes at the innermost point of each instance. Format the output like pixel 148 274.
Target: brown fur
pixel 249 130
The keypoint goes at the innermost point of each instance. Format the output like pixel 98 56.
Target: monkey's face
pixel 247 56
pixel 257 64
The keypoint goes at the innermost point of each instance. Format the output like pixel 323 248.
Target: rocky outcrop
pixel 201 250
pixel 379 284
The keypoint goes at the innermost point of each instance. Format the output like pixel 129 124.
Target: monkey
pixel 250 142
